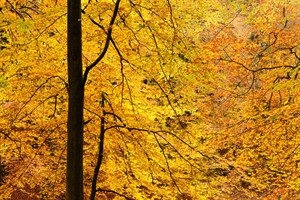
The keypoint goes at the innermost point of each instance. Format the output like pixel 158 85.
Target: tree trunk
pixel 75 106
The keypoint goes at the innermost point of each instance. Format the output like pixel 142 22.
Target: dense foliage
pixel 200 99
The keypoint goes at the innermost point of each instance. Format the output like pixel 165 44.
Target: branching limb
pixel 108 39
pixel 34 93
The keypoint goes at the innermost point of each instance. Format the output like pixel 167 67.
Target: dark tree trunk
pixel 100 151
pixel 75 106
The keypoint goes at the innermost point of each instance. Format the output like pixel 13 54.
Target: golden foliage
pixel 201 99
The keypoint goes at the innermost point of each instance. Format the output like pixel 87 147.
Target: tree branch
pixel 112 191
pixel 108 39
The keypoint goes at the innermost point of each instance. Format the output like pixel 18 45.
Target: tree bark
pixel 75 104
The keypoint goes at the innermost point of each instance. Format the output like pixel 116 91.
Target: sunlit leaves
pixel 183 79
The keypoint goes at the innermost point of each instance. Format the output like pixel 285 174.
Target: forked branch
pixel 108 39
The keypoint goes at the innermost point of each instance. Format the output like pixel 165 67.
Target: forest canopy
pixel 195 99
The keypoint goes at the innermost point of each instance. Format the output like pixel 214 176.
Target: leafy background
pixel 203 99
